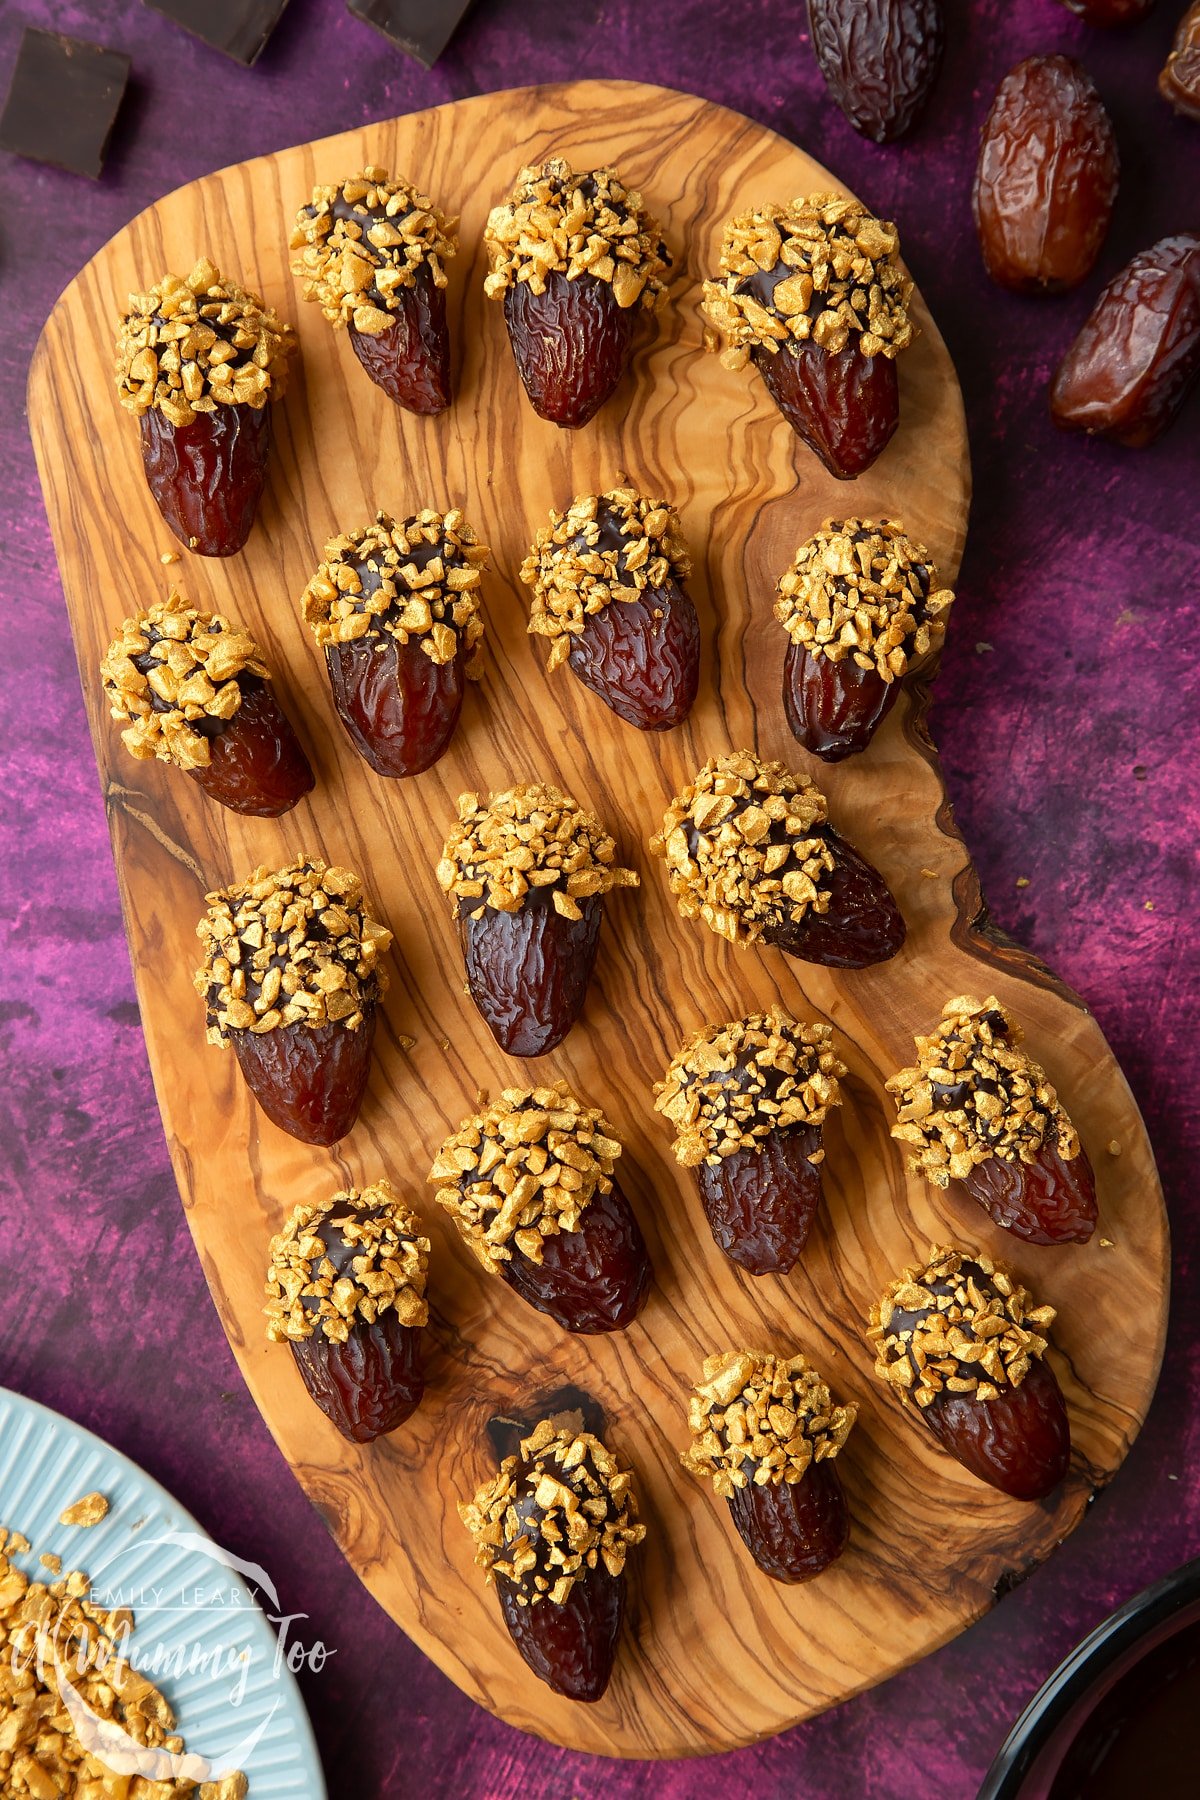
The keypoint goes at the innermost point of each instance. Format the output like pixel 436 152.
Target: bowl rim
pixel 1078 1673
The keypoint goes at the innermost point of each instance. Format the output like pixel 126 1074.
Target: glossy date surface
pixel 1047 175
pixel 794 1529
pixel 207 477
pixel 571 345
pixel 760 1204
pixel 845 406
pixel 410 361
pixel 642 657
pixel 399 707
pixel 590 1280
pixel 1020 1442
pixel 880 59
pixel 1130 369
pixel 528 971
pixel 309 1080
pixel 256 763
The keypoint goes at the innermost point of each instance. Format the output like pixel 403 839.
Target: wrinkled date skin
pixel 795 1529
pixel 309 1080
pixel 760 1204
pixel 1050 1201
pixel 370 1384
pixel 410 361
pixel 591 1280
pixel 1047 177
pixel 1020 1442
pixel 833 708
pixel 1129 371
pixel 571 345
pixel 528 971
pixel 256 765
pixel 1109 12
pixel 642 657
pixel 879 58
pixel 844 406
pixel 571 1647
pixel 1179 81
pixel 862 926
pixel 399 707
pixel 207 477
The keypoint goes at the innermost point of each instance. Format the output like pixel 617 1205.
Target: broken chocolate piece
pixel 62 101
pixel 421 28
pixel 237 28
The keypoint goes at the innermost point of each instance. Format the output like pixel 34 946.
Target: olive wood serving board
pixel 714 1654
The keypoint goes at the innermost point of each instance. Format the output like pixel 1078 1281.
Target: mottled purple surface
pixel 1067 714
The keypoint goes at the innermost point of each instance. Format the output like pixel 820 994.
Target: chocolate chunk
pixel 62 101
pixel 421 28
pixel 238 28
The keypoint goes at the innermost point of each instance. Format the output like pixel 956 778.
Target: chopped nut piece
pixel 51 1631
pixel 562 1507
pixel 974 1094
pixel 761 1418
pixel 741 842
pixel 573 224
pixel 290 946
pixel 365 239
pixel 412 579
pixel 839 276
pixel 85 1512
pixel 169 669
pixel 961 1323
pixel 604 548
pixel 528 838
pixel 731 1085
pixel 523 1169
pixel 863 588
pixel 190 345
pixel 306 1293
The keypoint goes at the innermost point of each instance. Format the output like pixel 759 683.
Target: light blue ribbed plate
pixel 200 1635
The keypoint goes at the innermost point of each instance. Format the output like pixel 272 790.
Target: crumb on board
pixel 85 1512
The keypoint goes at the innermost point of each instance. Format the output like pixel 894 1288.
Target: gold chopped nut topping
pixel 171 668
pixel 744 845
pixel 290 946
pixel 821 268
pixel 961 1324
pixel 411 579
pixel 85 1512
pixel 974 1094
pixel 863 588
pixel 345 1262
pixel 364 240
pixel 523 1169
pixel 731 1085
pixel 605 547
pixel 527 840
pixel 57 1633
pixel 561 1508
pixel 190 345
pixel 562 221
pixel 761 1418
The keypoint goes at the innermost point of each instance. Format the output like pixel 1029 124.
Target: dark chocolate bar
pixel 238 28
pixel 62 101
pixel 421 28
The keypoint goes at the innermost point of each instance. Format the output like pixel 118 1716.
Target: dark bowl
pixel 1120 1718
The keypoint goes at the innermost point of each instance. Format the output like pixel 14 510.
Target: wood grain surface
pixel 714 1654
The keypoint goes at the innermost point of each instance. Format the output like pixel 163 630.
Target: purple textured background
pixel 1066 711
